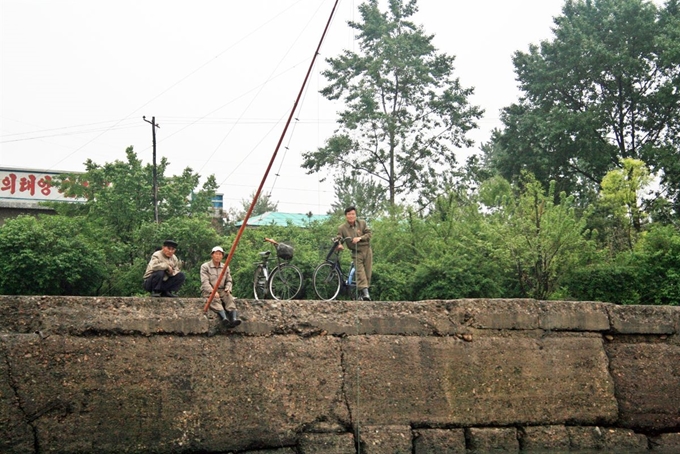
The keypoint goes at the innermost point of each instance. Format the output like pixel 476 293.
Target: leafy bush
pixel 50 256
pixel 604 282
pixel 657 256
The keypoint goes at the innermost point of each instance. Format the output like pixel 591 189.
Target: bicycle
pixel 284 282
pixel 329 280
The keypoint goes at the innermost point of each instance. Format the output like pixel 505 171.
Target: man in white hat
pixel 223 302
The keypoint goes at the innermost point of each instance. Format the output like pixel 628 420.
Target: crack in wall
pixel 345 397
pixel 12 383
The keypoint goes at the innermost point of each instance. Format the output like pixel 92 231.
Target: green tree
pixel 51 255
pixel 263 205
pixel 458 257
pixel 119 195
pixel 606 88
pixel 363 193
pixel 622 194
pixel 544 240
pixel 405 112
pixel 657 264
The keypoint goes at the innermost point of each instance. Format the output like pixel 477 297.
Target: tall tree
pixel 405 112
pixel 263 205
pixel 622 193
pixel 362 193
pixel 119 195
pixel 545 240
pixel 606 88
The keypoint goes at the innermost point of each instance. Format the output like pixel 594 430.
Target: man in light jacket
pixel 223 302
pixel 163 276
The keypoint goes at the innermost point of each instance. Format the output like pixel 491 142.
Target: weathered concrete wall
pixel 113 375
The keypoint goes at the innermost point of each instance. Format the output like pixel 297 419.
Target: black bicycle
pixel 284 282
pixel 329 280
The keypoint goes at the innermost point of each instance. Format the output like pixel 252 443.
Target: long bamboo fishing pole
pixel 271 162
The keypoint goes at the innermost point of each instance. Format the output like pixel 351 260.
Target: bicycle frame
pixel 333 257
pixel 261 282
pixel 265 280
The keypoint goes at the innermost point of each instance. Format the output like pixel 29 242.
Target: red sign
pixel 32 185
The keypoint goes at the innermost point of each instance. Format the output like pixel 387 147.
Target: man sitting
pixel 162 276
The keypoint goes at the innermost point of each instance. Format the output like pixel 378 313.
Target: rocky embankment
pixel 139 375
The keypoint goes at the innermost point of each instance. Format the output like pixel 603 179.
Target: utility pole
pixel 155 178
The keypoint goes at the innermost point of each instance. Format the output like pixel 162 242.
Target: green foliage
pixel 405 112
pixel 543 239
pixel 607 87
pixel 657 262
pixel 650 274
pixel 359 192
pixel 605 282
pixel 506 240
pixel 119 195
pixel 104 243
pixel 263 205
pixel 51 255
pixel 622 194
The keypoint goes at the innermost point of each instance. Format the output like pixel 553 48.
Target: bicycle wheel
pixel 260 283
pixel 327 281
pixel 285 282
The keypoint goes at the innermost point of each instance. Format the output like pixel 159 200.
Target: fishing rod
pixel 271 162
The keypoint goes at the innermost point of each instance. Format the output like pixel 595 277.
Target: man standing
pixel 357 236
pixel 210 273
pixel 163 276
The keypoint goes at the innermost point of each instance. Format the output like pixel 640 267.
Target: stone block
pixel 496 314
pixel 606 439
pixel 16 433
pixel 573 316
pixel 491 381
pixel 20 314
pixel 543 439
pixel 321 443
pixel 490 439
pixel 140 316
pixel 272 451
pixel 385 439
pixel 668 443
pixel 439 441
pixel 647 380
pixel 169 393
pixel 644 319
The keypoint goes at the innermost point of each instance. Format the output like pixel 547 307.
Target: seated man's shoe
pixel 170 294
pixel 224 319
pixel 233 319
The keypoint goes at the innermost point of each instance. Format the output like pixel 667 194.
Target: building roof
pixel 283 219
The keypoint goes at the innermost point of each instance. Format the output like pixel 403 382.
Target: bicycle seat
pixel 265 254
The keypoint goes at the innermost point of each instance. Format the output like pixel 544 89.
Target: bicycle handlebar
pixel 334 249
pixel 269 240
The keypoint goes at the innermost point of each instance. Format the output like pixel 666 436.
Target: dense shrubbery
pixel 526 246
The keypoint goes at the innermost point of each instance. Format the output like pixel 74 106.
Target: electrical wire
pixel 199 68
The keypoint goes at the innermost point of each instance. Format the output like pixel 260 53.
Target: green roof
pixel 283 219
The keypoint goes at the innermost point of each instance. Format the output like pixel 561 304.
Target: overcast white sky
pixel 221 78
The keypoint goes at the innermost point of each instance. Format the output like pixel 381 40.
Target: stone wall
pixel 112 375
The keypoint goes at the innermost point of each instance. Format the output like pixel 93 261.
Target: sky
pixel 221 78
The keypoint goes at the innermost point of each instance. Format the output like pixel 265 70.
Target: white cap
pixel 217 248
